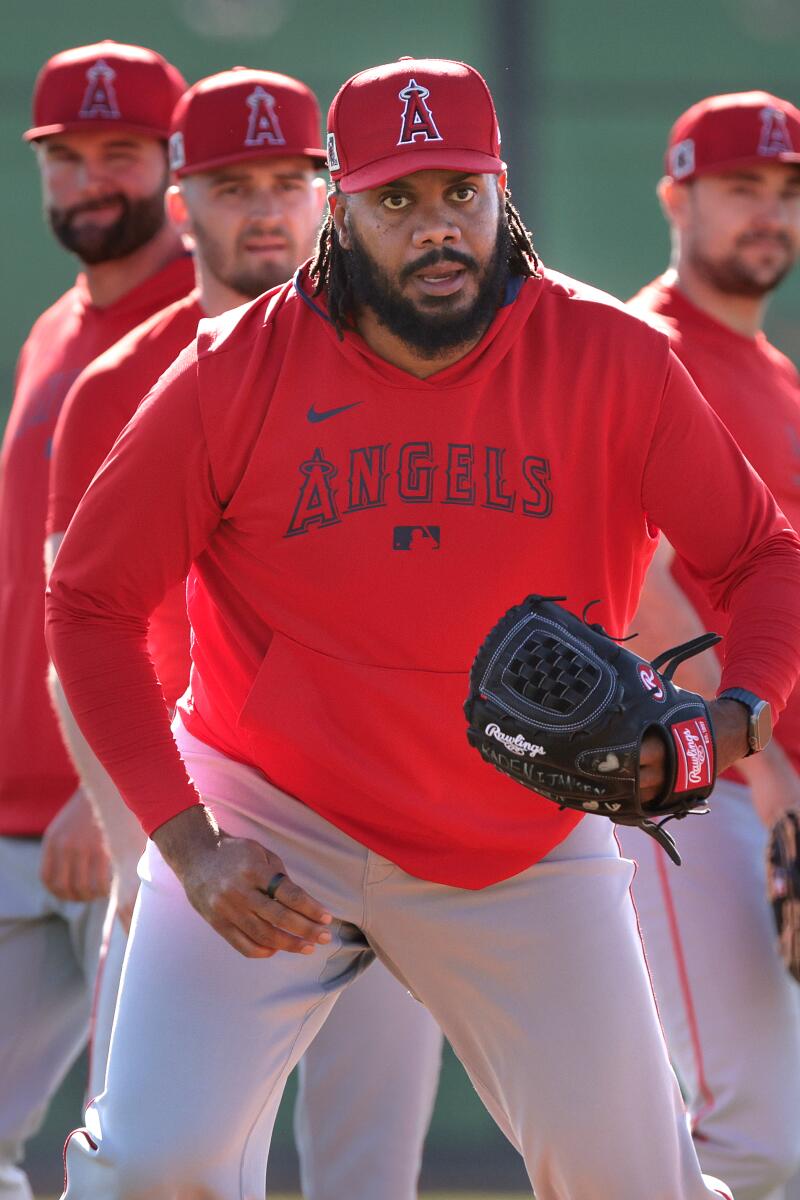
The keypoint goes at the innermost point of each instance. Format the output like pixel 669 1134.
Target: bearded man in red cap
pixel 101 118
pixel 731 1011
pixel 244 147
pixel 322 805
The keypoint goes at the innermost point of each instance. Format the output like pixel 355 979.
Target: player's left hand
pixel 75 863
pixel 730 733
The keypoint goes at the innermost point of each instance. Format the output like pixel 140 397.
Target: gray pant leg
pixel 367 1088
pixel 46 950
pixel 730 1011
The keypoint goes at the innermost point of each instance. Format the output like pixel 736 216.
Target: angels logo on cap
pixel 100 98
pixel 263 126
pixel 775 137
pixel 417 119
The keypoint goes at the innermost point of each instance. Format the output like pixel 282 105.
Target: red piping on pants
pixel 686 992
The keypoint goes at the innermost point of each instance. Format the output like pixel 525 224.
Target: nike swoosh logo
pixel 313 416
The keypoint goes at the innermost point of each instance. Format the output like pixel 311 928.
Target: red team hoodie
pixel 36 772
pixel 354 531
pixel 755 390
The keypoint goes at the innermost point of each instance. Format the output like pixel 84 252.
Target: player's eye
pixel 395 202
pixel 463 193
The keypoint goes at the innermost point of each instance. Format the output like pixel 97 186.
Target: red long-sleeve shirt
pixel 353 532
pixel 755 390
pixel 36 773
pixel 98 406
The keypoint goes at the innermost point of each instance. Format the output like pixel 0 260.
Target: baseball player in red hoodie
pixel 366 467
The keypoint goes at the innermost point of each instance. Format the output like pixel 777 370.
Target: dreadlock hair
pixel 329 269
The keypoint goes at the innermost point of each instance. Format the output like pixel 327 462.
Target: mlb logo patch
pixel 416 537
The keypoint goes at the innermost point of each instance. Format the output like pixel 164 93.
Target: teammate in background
pixel 245 150
pixel 421 371
pixel 101 119
pixel 731 195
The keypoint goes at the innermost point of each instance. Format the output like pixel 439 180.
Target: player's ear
pixel 674 200
pixel 320 192
pixel 338 207
pixel 502 184
pixel 177 212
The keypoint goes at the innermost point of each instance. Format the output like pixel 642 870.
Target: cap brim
pixel 90 126
pixel 317 155
pixel 787 157
pixel 395 166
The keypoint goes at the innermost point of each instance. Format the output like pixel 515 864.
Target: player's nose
pixel 435 229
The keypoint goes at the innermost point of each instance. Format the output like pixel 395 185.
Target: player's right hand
pixel 125 888
pixel 226 879
pixel 75 863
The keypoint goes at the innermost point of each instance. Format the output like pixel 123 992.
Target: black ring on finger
pixel 275 883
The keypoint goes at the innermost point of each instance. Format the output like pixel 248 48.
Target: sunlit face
pixel 428 254
pixel 741 230
pixel 103 192
pixel 253 222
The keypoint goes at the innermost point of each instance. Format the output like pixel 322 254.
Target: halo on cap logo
pixel 417 119
pixel 681 159
pixel 177 151
pixel 100 98
pixel 263 126
pixel 775 137
pixel 333 156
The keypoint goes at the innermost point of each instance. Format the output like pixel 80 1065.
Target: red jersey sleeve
pixel 148 513
pixel 734 540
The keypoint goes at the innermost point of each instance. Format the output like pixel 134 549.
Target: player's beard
pixel 733 275
pixel 434 330
pixel 236 274
pixel 138 223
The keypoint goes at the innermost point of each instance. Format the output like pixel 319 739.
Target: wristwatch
pixel 759 726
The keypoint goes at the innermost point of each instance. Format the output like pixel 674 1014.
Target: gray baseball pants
pixel 539 982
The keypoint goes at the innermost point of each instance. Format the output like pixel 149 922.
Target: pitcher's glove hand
pixel 559 706
pixel 783 887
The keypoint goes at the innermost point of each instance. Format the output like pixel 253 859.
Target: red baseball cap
pixel 107 85
pixel 739 129
pixel 240 114
pixel 416 114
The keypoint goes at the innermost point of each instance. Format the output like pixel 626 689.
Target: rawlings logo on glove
pixel 562 708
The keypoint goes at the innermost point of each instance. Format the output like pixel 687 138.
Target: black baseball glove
pixel 783 887
pixel 559 706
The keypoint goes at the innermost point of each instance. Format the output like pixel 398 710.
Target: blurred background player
pixel 100 125
pixel 245 151
pixel 731 195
